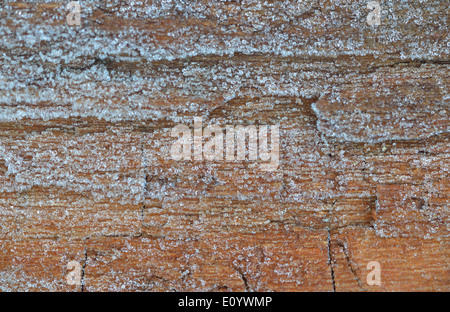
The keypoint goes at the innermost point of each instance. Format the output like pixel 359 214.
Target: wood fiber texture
pixel 86 174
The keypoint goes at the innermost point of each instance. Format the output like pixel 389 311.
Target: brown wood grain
pixel 86 175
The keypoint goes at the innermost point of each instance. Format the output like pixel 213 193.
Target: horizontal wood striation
pixel 86 175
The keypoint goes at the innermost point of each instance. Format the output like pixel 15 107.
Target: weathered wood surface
pixel 86 174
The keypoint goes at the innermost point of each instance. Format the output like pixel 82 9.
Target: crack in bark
pixel 330 261
pixel 347 257
pixel 83 269
pixel 145 184
pixel 243 277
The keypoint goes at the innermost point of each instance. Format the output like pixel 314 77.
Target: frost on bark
pixel 86 113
